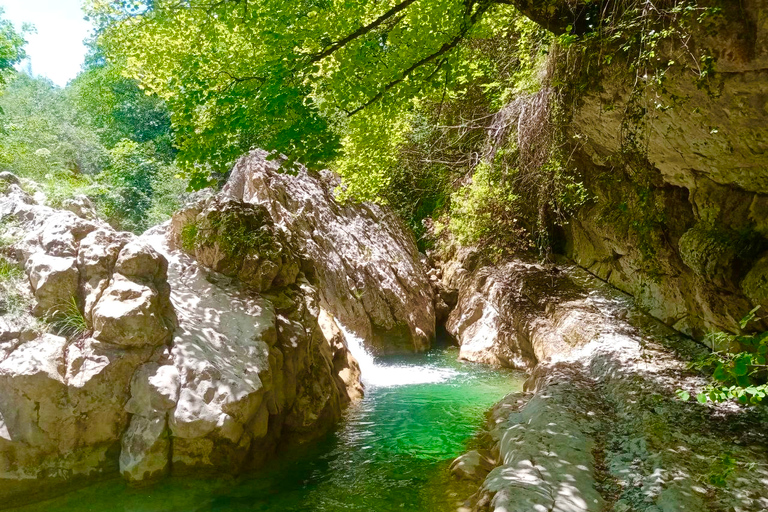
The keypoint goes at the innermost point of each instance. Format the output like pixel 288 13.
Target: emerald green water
pixel 391 452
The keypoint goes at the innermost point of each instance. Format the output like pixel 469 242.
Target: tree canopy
pixel 292 77
pixel 11 47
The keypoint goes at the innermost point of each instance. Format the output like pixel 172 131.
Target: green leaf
pixel 702 398
pixel 683 395
pixel 721 373
pixel 749 317
pixel 741 367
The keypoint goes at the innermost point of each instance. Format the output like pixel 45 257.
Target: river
pixel 391 452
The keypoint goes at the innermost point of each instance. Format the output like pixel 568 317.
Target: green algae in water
pixel 391 452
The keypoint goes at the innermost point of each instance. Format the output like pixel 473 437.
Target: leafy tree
pixel 72 141
pixel 284 75
pixel 39 134
pixel 128 185
pixel 11 47
pixel 116 108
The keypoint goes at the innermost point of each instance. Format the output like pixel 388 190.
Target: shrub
pixel 487 212
pixel 237 230
pixel 740 375
pixel 189 237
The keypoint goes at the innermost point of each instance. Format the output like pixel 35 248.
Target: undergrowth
pixel 236 232
pixel 737 365
pixel 12 300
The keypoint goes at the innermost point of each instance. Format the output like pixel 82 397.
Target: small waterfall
pixel 377 374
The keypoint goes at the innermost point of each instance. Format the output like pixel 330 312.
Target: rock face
pixel 196 354
pixel 599 427
pixel 505 315
pixel 62 399
pixel 685 235
pixel 364 260
pixel 677 181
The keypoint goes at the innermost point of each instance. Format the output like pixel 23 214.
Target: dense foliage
pixel 100 136
pixel 394 96
pixel 288 76
pixel 739 368
pixel 11 48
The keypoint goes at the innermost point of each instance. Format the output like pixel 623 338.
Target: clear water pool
pixel 391 452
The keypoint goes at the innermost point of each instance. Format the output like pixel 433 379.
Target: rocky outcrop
pixel 178 352
pixel 685 231
pixel 672 158
pixel 364 260
pixel 62 397
pixel 506 314
pixel 599 427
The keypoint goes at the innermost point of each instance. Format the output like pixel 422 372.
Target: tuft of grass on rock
pixel 12 301
pixel 67 320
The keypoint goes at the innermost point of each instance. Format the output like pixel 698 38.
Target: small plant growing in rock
pixel 743 375
pixel 189 237
pixel 236 233
pixel 6 239
pixel 9 271
pixel 67 320
pixel 11 300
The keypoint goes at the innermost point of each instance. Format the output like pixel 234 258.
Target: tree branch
pixel 445 48
pixel 360 32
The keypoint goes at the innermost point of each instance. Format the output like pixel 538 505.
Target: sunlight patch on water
pixel 375 374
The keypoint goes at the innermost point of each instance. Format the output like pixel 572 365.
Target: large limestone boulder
pixel 130 314
pixel 54 280
pixel 504 316
pixel 96 258
pixel 62 397
pixel 62 413
pixel 240 240
pixel 696 212
pixel 362 258
pixel 240 370
pixel 179 367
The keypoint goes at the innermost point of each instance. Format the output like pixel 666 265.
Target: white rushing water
pixel 377 374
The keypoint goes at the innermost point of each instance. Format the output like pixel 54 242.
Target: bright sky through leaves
pixel 57 49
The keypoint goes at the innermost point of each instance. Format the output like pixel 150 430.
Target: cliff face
pixel 180 352
pixel 680 221
pixel 701 262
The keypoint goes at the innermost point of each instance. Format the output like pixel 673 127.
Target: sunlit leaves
pixel 281 74
pixel 11 47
